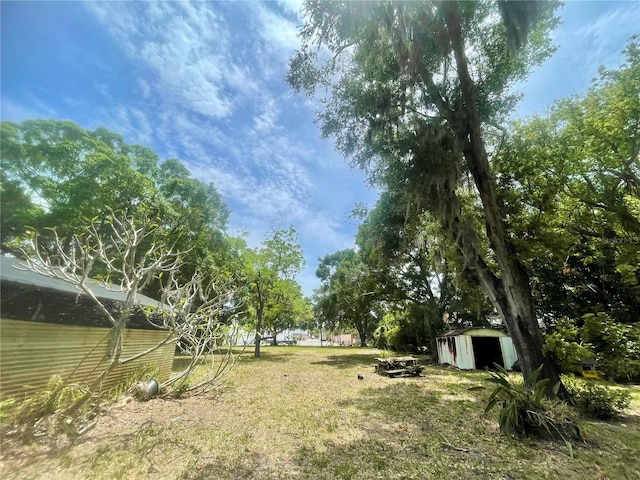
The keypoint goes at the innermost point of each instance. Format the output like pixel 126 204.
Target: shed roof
pixel 471 330
pixel 14 270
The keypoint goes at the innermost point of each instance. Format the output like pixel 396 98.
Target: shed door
pixel 486 352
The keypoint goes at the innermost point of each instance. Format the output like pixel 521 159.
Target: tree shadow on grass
pixel 399 401
pixel 246 466
pixel 419 428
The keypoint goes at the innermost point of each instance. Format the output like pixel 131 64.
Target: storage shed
pixel 48 327
pixel 476 348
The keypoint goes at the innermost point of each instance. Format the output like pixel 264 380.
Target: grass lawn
pixel 301 412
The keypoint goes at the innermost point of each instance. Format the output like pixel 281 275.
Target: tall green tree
pixel 290 309
pixel 415 267
pixel 348 296
pixel 269 271
pixel 56 174
pixel 72 174
pixel 195 214
pixel 415 92
pixel 571 184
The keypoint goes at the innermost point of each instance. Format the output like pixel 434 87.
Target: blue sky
pixel 204 82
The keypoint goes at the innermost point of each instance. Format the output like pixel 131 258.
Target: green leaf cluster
pixel 415 93
pixel 613 346
pixel 274 298
pixel 349 295
pixel 570 181
pixel 564 347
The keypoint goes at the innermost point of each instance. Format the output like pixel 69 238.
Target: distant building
pixel 344 339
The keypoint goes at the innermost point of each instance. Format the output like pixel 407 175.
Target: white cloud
pixel 266 121
pixel 592 34
pixel 279 32
pixel 293 7
pixel 186 46
pixel 604 39
pixel 214 96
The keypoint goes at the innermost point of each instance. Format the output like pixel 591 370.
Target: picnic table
pixel 398 366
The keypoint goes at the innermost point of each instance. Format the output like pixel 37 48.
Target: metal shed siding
pixel 466 360
pixel 31 352
pixel 447 350
pixel 509 355
pixel 456 347
pixel 457 351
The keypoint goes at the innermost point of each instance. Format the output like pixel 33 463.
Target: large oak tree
pixel 415 95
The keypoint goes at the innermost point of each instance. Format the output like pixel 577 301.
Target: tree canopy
pixel 416 93
pixel 275 301
pixel 56 174
pixel 571 189
pixel 348 294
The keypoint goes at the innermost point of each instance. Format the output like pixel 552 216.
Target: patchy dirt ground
pixel 119 422
pixel 303 413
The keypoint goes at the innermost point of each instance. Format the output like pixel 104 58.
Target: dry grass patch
pixel 303 413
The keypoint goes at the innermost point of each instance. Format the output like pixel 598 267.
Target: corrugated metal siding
pixel 447 352
pixel 509 355
pixel 464 345
pixel 456 351
pixel 30 353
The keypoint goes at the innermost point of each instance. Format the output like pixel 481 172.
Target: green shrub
pixel 614 346
pixel 389 337
pixel 526 412
pixel 394 338
pixel 563 346
pixel 597 401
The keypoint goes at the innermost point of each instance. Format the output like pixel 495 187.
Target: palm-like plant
pixel 527 411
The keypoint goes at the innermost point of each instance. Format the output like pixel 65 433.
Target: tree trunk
pixel 259 319
pixel 511 293
pixel 431 332
pixel 362 331
pixel 258 337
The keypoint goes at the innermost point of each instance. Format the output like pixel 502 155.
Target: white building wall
pixel 462 354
